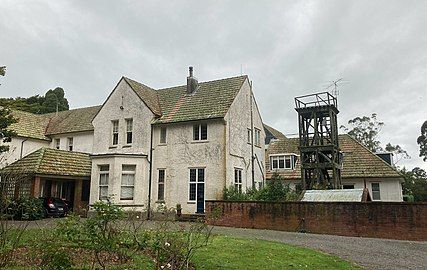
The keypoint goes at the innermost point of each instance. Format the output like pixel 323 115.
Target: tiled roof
pixel 211 100
pixel 48 161
pixel 277 134
pixel 147 95
pixel 76 120
pixel 30 125
pixel 358 161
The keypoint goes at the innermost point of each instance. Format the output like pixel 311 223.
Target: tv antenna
pixel 333 86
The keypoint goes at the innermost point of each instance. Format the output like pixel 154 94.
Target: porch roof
pixel 48 161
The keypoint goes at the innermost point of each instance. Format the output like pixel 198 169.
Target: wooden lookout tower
pixel 318 141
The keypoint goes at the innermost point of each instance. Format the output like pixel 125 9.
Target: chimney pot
pixel 191 71
pixel 192 83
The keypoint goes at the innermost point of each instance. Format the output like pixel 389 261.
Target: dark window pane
pixel 204 132
pixel 192 196
pixel 161 192
pixel 163 135
pixel 129 137
pixel 288 163
pixel 201 176
pixel 196 132
pixel 274 163
pixel 192 175
pixel 281 163
pixel 115 138
pixel 161 176
pixel 348 186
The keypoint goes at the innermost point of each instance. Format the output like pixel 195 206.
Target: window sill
pixel 258 146
pixel 127 146
pixel 112 147
pixel 126 200
pixel 160 201
pixel 162 144
pixel 191 202
pixel 200 141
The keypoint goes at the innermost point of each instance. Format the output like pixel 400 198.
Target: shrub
pixel 26 209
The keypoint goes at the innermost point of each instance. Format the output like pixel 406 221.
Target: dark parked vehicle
pixel 55 207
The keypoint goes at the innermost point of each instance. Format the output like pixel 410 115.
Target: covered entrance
pixel 57 173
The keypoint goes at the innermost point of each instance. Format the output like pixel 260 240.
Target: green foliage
pixel 2 71
pixel 54 256
pixel 365 130
pixel 415 184
pixel 48 103
pixel 422 141
pixel 26 208
pixel 274 191
pixel 6 134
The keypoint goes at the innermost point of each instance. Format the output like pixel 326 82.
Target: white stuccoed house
pixel 146 147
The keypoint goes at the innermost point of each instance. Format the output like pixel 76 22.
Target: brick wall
pixel 395 220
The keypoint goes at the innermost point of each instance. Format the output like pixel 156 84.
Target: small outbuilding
pixel 337 195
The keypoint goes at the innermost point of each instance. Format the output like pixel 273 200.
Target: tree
pixel 422 141
pixel 365 130
pixel 415 184
pixel 6 119
pixel 53 100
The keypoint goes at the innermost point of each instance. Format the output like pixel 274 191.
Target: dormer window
pixel 70 144
pixel 278 162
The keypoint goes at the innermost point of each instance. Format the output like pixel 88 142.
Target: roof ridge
pixel 217 80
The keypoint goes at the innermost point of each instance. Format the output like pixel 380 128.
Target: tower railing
pixel 315 100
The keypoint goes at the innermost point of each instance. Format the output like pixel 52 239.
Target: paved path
pixel 370 253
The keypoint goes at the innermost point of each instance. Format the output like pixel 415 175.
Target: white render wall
pixel 139 203
pixel 82 141
pixel 180 153
pixel 14 153
pixel 133 107
pixel 238 121
pixel 390 188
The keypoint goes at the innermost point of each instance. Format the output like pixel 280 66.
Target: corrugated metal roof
pixel 334 195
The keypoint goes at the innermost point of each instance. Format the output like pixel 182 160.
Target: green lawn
pixel 225 252
pixel 237 253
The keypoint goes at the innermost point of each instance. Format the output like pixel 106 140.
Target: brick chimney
pixel 192 83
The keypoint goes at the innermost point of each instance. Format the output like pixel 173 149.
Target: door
pixel 200 198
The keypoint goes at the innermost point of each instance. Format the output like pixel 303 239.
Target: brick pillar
pixel 78 196
pixel 35 189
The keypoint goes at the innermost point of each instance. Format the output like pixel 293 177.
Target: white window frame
pixel 249 136
pixel 257 137
pixel 238 179
pixel 129 131
pixel 163 135
pixel 105 185
pixel 283 157
pixel 70 141
pixel 57 143
pixel 195 182
pixel 198 128
pixel 128 172
pixel 376 191
pixel 115 132
pixel 161 183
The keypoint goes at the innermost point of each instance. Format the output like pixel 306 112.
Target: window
pixel 257 137
pixel 376 191
pixel 282 162
pixel 161 189
pixel 129 128
pixel 70 144
pixel 57 143
pixel 196 176
pixel 128 182
pixel 348 186
pixel 163 135
pixel 249 136
pixel 238 179
pixel 200 132
pixel 115 124
pixel 104 174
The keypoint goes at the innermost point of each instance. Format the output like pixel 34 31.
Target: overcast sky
pixel 288 48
